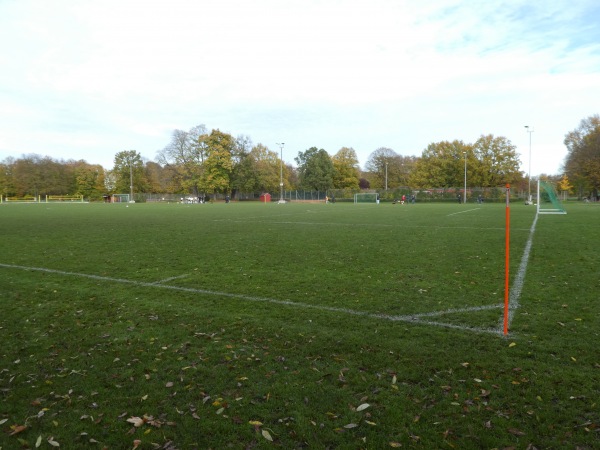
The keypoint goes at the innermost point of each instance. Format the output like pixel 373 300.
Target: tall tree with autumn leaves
pixel 582 164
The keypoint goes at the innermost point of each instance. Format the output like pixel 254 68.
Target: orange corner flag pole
pixel 507 260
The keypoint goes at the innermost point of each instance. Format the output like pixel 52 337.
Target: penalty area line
pixel 414 318
pixel 461 212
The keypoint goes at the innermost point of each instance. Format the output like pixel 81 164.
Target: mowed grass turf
pixel 297 325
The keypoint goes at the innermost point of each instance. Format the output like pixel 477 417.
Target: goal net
pixel 64 198
pixel 366 197
pixel 547 200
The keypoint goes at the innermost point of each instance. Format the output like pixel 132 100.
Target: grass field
pixel 297 326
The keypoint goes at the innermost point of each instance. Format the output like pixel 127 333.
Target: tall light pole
pixel 465 192
pixel 281 144
pixel 130 180
pixel 386 164
pixel 529 130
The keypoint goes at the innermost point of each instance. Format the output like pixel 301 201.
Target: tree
pixel 315 169
pixel 243 168
pixel 184 158
pixel 347 173
pixel 564 185
pixel 493 162
pixel 7 186
pixel 582 163
pixel 441 165
pixel 217 167
pixel 129 171
pixel 267 170
pixel 379 164
pixel 159 178
pixel 89 180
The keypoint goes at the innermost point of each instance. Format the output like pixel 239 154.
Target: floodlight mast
pixel 130 180
pixel 281 200
pixel 529 130
pixel 465 192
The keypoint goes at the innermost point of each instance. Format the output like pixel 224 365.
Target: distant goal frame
pixel 557 207
pixel 360 195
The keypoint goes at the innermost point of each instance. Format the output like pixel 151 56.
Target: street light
pixel 130 180
pixel 386 164
pixel 465 193
pixel 529 130
pixel 281 200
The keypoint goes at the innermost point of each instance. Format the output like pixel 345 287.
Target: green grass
pixel 227 325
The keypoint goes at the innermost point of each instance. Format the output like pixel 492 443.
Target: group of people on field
pixel 404 199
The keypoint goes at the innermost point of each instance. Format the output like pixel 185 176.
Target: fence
pixel 495 194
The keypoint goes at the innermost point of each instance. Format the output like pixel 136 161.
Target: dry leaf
pixel 351 425
pixel 267 435
pixel 362 407
pixel 169 384
pixel 395 444
pixel 39 441
pixel 52 442
pixel 136 421
pixel 256 423
pixel 136 444
pixel 16 429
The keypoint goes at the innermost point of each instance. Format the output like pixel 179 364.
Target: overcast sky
pixel 85 79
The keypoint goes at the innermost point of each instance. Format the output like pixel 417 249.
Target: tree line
pixel 202 163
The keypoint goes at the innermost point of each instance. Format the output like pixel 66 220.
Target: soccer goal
pixel 64 198
pixel 366 197
pixel 547 200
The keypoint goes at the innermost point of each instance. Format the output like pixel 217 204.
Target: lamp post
pixel 386 164
pixel 465 192
pixel 529 130
pixel 281 144
pixel 130 180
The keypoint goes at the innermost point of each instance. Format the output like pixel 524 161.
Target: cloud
pixel 93 78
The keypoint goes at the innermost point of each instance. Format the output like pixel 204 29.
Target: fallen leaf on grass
pixel 39 441
pixel 52 442
pixel 362 407
pixel 267 435
pixel 512 344
pixel 395 444
pixel 136 444
pixel 16 429
pixel 350 425
pixel 3 421
pixel 136 421
pixel 516 432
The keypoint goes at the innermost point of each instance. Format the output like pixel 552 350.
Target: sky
pixel 86 79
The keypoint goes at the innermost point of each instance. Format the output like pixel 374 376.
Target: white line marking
pixel 517 287
pixel 460 212
pixel 414 318
pixel 166 280
pixel 376 225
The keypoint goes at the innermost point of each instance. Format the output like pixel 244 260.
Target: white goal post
pixel 547 200
pixel 366 197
